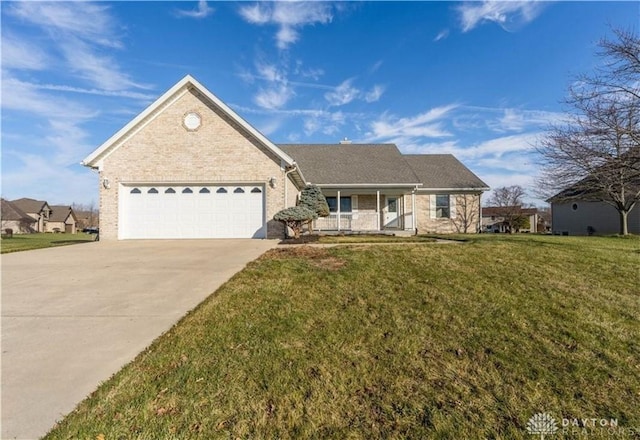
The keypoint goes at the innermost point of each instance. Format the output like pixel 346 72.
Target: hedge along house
pixel 189 167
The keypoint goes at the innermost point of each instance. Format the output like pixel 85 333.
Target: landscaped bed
pixel 356 238
pixel 26 242
pixel 405 341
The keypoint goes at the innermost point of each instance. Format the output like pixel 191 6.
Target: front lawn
pixel 25 242
pixel 409 341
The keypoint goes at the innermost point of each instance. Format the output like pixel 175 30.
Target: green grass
pixel 26 242
pixel 391 342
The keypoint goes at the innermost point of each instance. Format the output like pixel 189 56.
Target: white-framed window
pixel 345 204
pixel 443 206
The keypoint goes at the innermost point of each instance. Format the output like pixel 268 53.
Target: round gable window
pixel 192 121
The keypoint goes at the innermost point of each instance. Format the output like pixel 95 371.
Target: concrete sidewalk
pixel 73 316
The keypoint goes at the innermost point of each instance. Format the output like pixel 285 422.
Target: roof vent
pixel 345 141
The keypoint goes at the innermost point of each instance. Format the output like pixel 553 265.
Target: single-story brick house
pixel 188 166
pixel 62 219
pixel 15 219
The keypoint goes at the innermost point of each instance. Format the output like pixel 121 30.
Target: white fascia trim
pixel 90 160
pixel 423 189
pixel 192 182
pixel 365 185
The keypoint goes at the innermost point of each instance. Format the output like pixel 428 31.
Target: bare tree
pixel 595 154
pixel 507 201
pixel 467 212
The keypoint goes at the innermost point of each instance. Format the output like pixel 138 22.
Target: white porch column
pixel 413 211
pixel 378 209
pixel 338 209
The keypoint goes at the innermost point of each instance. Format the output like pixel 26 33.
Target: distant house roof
pixel 352 164
pixel 443 171
pixel 9 211
pixel 60 213
pixel 30 205
pixel 497 211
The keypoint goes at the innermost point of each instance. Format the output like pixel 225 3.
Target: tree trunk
pixel 624 229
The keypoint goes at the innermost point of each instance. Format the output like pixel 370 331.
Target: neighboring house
pixel 38 210
pixel 577 210
pixel 189 167
pixel 493 219
pixel 62 219
pixel 15 219
pixel 583 217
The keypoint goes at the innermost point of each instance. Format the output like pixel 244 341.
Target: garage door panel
pixel 199 211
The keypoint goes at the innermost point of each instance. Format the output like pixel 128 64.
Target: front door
pixel 391 213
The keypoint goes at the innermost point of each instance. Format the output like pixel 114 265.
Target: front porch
pixel 368 211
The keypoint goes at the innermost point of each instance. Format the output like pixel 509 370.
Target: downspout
pixel 286 193
pixel 480 212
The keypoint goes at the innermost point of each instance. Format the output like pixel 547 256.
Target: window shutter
pixel 452 205
pixel 354 206
pixel 432 206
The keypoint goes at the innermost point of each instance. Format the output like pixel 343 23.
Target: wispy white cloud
pixel 98 69
pixel 85 20
pixel 273 97
pixel 442 35
pixel 203 10
pixel 428 124
pixel 374 94
pixel 98 92
pixel 343 93
pixel 510 15
pixel 288 16
pixel 25 97
pixel 18 53
pixel 81 32
pixel 376 66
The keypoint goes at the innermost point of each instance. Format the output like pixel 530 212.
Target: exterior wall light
pixel 106 183
pixel 272 182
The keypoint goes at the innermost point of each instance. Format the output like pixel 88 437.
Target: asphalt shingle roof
pixel 29 205
pixel 9 211
pixel 351 163
pixel 442 171
pixel 358 164
pixel 59 213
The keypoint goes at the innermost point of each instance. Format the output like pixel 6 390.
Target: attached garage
pixel 191 211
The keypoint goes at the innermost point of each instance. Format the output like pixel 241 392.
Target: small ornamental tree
pixel 295 218
pixel 312 198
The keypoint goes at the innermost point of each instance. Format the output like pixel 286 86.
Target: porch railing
pixel 331 223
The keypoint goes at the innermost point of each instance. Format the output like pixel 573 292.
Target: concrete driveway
pixel 73 316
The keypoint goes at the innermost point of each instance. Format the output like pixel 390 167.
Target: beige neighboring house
pixel 494 221
pixel 15 219
pixel 62 219
pixel 38 210
pixel 188 166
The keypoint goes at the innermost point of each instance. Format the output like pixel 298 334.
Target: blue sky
pixel 481 80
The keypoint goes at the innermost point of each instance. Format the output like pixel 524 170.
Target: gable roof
pixel 60 213
pixel 9 211
pixel 498 211
pixel 30 205
pixel 352 164
pixel 443 171
pixel 185 84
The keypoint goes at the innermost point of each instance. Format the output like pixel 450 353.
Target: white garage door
pixel 205 211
